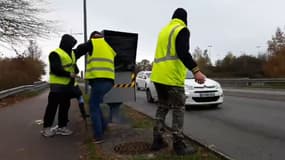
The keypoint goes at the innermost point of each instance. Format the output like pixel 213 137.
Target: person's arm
pixel 83 49
pixel 56 67
pixel 182 49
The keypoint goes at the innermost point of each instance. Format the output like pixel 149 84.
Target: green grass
pixel 137 119
pixel 20 96
pixel 142 124
pixel 91 150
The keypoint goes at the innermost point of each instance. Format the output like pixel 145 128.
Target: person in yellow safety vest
pixel 172 59
pixel 61 79
pixel 100 73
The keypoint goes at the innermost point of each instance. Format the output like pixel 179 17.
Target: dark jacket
pixel 182 42
pixel 67 43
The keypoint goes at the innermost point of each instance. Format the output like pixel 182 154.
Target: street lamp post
pixel 85 40
pixel 210 46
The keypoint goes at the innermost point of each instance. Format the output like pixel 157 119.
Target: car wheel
pixel 149 96
pixel 187 107
pixel 138 88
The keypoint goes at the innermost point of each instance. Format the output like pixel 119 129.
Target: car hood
pixel 209 83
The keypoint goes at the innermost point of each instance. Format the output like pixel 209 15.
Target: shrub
pixel 20 71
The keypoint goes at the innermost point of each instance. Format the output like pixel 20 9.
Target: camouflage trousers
pixel 170 98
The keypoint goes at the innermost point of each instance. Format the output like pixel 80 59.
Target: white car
pixel 141 79
pixel 209 93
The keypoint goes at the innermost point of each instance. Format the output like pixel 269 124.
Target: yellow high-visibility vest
pixel 67 63
pixel 100 64
pixel 167 68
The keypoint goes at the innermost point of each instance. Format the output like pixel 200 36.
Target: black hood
pixel 67 43
pixel 181 14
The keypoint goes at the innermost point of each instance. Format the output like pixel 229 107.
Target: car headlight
pixel 218 86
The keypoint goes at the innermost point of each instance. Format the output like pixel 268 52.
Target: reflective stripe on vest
pixel 168 55
pixel 101 63
pixel 167 68
pixel 67 63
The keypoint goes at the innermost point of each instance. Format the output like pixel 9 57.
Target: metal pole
pixel 85 40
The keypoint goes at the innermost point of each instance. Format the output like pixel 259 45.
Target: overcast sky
pixel 226 25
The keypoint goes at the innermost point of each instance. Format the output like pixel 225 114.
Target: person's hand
pixel 199 77
pixel 73 75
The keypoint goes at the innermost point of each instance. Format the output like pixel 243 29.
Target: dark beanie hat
pixel 180 13
pixel 95 32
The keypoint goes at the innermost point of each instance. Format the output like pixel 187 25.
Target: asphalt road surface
pixel 20 137
pixel 243 128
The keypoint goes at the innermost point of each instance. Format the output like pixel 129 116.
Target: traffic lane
pixel 269 94
pixel 244 128
pixel 255 115
pixel 21 139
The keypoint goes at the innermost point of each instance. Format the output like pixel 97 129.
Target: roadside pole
pixel 85 40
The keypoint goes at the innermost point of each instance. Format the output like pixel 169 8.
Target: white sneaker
pixel 54 128
pixel 63 131
pixel 48 132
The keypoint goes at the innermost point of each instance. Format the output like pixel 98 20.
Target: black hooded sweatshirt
pixel 182 42
pixel 67 43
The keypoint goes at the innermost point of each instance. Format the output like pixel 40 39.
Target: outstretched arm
pixel 83 49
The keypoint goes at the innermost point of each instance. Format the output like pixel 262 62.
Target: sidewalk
pixel 20 137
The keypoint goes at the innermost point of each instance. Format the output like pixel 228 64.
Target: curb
pixel 211 149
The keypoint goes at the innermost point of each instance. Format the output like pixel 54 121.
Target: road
pixel 243 128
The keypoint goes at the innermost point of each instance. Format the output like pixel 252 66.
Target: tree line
pixel 21 23
pixel 25 68
pixel 265 65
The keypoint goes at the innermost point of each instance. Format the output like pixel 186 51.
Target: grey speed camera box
pixel 125 45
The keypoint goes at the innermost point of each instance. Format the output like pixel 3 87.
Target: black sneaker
pixel 158 143
pixel 181 148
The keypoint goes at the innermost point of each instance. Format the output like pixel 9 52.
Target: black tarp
pixel 125 45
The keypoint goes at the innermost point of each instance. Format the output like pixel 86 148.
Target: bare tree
pixel 20 20
pixel 33 51
pixel 277 43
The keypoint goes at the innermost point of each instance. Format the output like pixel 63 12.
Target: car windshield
pixel 189 75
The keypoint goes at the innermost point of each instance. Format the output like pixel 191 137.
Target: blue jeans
pixel 98 91
pixel 114 114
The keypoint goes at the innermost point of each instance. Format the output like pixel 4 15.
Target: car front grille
pixel 199 87
pixel 205 99
pixel 209 91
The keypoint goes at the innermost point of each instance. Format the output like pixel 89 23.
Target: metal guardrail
pixel 246 82
pixel 36 86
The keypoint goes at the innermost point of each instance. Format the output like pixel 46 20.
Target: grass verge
pixel 19 97
pixel 143 123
